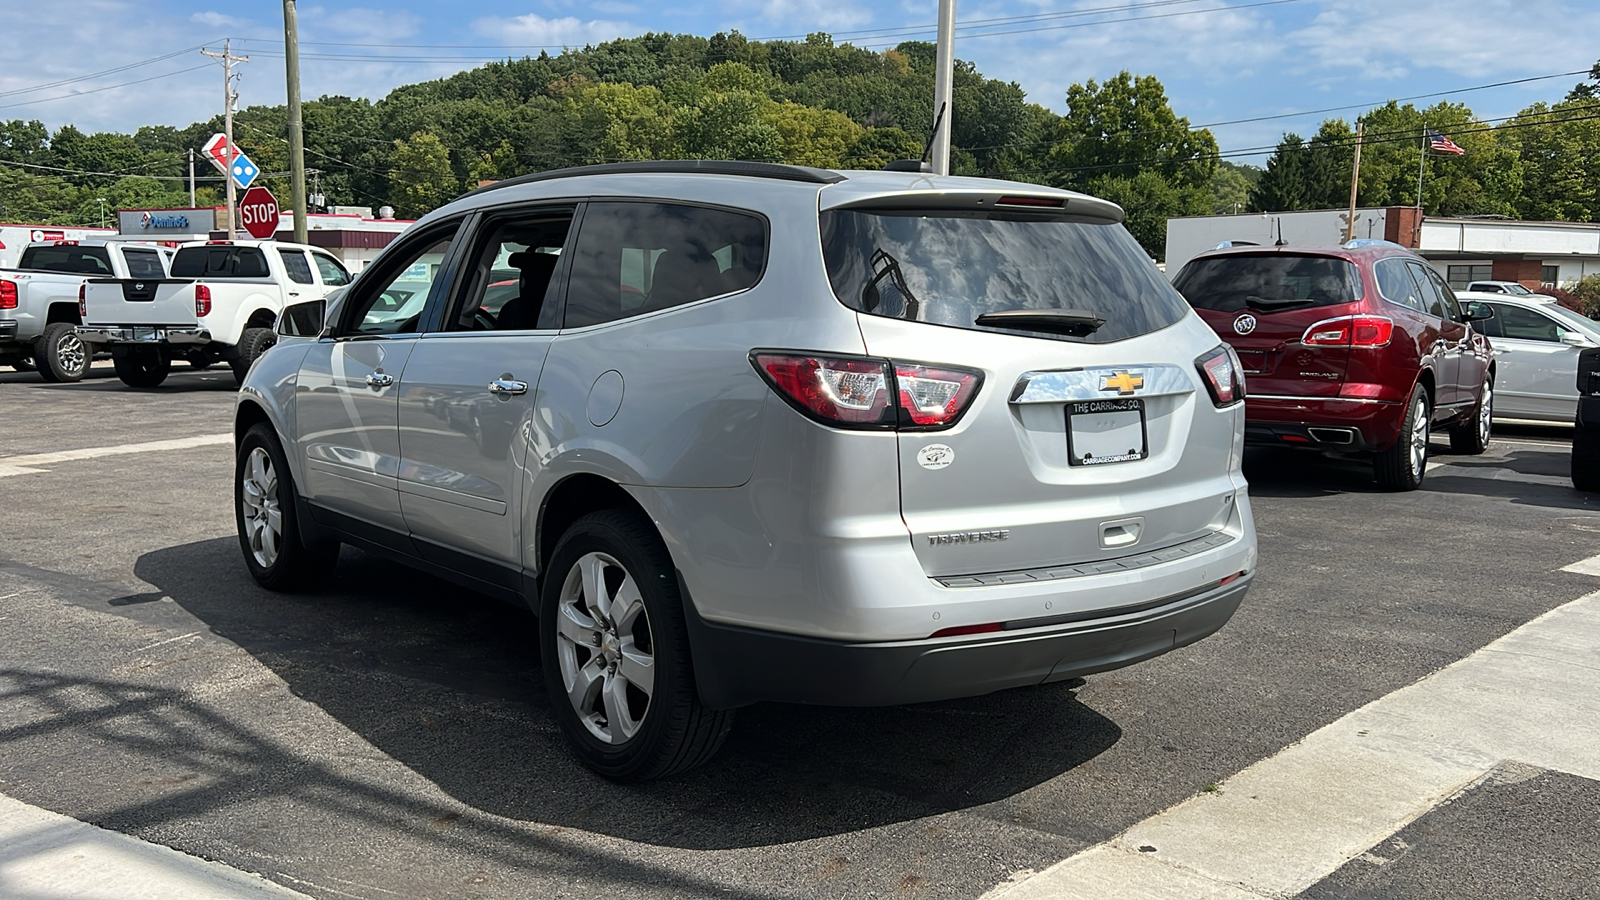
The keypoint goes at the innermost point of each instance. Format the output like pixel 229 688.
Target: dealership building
pixel 1462 249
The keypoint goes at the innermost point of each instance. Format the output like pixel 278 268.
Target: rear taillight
pixel 1223 375
pixel 861 392
pixel 83 300
pixel 202 300
pixel 1350 331
pixel 8 294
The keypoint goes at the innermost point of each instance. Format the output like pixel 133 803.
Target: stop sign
pixel 258 210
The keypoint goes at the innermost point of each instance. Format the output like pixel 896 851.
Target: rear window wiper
pixel 1266 305
pixel 1070 322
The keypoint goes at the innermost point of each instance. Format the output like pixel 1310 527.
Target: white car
pixel 1508 288
pixel 1536 346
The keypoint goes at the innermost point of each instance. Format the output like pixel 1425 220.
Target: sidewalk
pixel 45 856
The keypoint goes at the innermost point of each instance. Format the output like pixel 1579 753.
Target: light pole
pixel 102 202
pixel 943 74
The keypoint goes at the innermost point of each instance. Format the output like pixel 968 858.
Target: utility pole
pixel 943 75
pixel 191 178
pixel 297 139
pixel 229 96
pixel 1355 180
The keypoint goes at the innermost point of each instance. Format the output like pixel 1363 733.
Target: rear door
pixel 1263 304
pixel 1075 449
pixel 1450 338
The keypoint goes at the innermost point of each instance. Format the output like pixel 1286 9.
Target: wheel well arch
pixel 261 318
pixel 62 311
pixel 1425 379
pixel 247 416
pixel 573 498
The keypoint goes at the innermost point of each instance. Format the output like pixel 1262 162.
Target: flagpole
pixel 1422 158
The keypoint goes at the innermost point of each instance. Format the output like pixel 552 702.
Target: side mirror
pixel 304 320
pixel 1477 312
pixel 1575 339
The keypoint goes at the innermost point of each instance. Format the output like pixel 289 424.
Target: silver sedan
pixel 1536 343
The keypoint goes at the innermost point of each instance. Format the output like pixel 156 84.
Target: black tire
pixel 200 363
pixel 61 355
pixel 1399 468
pixel 252 343
pixel 674 732
pixel 1586 459
pixel 140 367
pixel 24 364
pixel 294 564
pixel 1471 437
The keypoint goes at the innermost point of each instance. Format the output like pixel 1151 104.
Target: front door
pixel 1537 373
pixel 1449 340
pixel 346 397
pixel 469 393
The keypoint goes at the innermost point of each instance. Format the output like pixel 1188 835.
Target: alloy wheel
pixel 1485 413
pixel 605 648
pixel 263 517
pixel 1419 439
pixel 70 351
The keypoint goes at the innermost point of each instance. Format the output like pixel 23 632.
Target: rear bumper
pixel 736 666
pixel 151 334
pixel 1328 424
pixel 8 329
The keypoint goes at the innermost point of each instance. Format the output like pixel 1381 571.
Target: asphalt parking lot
pixel 388 736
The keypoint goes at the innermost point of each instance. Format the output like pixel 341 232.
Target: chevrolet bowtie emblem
pixel 1124 383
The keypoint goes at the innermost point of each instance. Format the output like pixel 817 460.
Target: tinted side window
pixel 294 262
pixel 1395 284
pixel 1527 325
pixel 1432 302
pixel 636 258
pixel 1452 309
pixel 219 261
pixel 333 274
pixel 1491 327
pixel 513 283
pixel 143 263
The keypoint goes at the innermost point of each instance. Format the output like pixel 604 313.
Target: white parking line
pixel 43 854
pixel 1283 824
pixel 28 464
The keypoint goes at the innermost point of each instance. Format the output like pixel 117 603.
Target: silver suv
pixel 741 432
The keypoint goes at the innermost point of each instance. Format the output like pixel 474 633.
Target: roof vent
pixel 909 165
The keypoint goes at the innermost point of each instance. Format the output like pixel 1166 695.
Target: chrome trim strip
pixel 1074 385
pixel 1249 396
pixel 1100 567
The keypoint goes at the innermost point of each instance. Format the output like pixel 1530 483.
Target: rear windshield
pixel 143 264
pixel 219 261
pixel 1268 282
pixel 68 259
pixel 950 268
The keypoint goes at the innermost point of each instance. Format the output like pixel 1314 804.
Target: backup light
pixel 1224 376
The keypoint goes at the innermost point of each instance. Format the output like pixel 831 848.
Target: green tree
pixel 1311 174
pixel 812 137
pixel 1231 185
pixel 877 147
pixel 1558 151
pixel 421 176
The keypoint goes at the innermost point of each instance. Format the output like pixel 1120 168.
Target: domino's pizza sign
pixel 149 220
pixel 241 170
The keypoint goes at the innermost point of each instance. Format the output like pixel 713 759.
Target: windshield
pixel 1517 289
pixel 949 268
pixel 1269 282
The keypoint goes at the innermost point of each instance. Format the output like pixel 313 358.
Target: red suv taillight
pixel 8 295
pixel 1223 375
pixel 861 392
pixel 202 300
pixel 1350 331
pixel 83 300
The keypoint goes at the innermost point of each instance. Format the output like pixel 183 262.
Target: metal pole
pixel 943 75
pixel 1355 180
pixel 191 178
pixel 297 143
pixel 1422 158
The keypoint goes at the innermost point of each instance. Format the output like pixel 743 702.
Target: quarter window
pixel 294 262
pixel 637 258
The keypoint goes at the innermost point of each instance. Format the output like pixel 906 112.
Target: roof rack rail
pixel 780 171
pixel 1358 243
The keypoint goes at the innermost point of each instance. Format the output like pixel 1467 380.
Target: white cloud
pixel 816 15
pixel 216 19
pixel 533 30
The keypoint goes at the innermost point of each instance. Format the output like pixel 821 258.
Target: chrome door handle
pixel 379 380
pixel 502 387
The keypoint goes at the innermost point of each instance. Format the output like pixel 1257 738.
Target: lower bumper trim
pixel 736 666
pixel 154 334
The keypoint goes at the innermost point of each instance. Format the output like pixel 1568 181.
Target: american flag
pixel 1442 144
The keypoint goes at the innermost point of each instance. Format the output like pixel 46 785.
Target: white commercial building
pixel 1463 250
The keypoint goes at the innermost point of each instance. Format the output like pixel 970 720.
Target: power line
pixel 109 87
pixel 135 65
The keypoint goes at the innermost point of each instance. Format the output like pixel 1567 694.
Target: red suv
pixel 1360 348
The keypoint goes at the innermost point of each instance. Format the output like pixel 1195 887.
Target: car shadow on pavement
pixel 101 379
pixel 1293 473
pixel 447 682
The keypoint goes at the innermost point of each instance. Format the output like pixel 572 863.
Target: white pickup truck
pixel 220 302
pixel 39 300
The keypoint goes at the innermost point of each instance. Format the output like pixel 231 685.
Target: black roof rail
pixel 780 171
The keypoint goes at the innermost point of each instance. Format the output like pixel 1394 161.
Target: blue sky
pixel 1221 60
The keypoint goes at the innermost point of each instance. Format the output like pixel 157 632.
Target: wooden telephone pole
pixel 1355 181
pixel 229 97
pixel 297 140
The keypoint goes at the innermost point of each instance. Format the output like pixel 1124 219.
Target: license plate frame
pixel 147 335
pixel 1098 430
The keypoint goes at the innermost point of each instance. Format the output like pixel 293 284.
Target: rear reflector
pixel 1297 439
pixel 8 295
pixel 861 392
pixel 1350 331
pixel 83 300
pixel 1223 375
pixel 1230 579
pixel 968 629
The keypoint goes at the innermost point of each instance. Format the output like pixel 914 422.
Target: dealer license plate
pixel 1105 431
